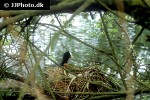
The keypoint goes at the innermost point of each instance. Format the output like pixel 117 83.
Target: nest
pixel 83 80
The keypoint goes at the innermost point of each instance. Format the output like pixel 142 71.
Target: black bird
pixel 66 57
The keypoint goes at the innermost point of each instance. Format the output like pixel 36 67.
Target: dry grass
pixel 68 85
pixel 89 79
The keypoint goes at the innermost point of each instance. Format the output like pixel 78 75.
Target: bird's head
pixel 66 57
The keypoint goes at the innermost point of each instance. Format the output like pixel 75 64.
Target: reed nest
pixel 75 83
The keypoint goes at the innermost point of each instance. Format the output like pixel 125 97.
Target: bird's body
pixel 56 69
pixel 66 57
pixel 64 60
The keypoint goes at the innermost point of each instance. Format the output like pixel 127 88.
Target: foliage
pixel 28 49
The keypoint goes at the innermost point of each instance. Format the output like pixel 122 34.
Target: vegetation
pixel 110 49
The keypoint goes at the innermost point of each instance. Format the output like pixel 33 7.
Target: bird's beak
pixel 71 56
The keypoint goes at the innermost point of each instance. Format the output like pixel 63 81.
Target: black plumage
pixel 66 57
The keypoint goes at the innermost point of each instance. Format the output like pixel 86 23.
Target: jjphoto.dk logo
pixel 25 5
pixel 16 5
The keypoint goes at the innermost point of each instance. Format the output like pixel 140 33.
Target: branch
pixel 105 95
pixel 139 10
pixel 139 34
pixel 75 38
pixel 113 50
pixel 12 76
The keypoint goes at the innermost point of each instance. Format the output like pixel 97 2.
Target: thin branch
pixel 105 6
pixel 139 34
pixel 12 76
pixel 75 38
pixel 106 95
pixel 113 51
pixel 145 3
